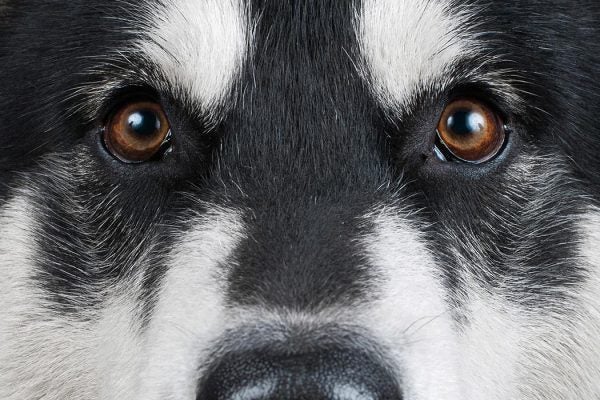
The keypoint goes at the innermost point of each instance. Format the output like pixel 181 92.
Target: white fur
pixel 505 349
pixel 490 345
pixel 109 355
pixel 53 356
pixel 409 45
pixel 200 45
pixel 513 351
pixel 260 390
pixel 589 357
pixel 564 360
pixel 15 262
pixel 410 315
pixel 351 392
pixel 190 313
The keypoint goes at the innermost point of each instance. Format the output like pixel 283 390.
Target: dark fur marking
pixel 308 147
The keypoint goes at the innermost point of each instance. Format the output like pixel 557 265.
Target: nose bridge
pixel 301 257
pixel 304 108
pixel 303 151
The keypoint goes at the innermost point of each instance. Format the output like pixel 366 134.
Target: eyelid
pixel 122 94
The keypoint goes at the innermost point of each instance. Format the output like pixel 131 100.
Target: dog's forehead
pixel 399 46
pixel 198 45
pixel 293 84
pixel 299 82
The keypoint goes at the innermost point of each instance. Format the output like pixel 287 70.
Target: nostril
pixel 327 375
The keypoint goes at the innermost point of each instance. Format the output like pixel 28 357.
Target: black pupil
pixel 466 122
pixel 144 122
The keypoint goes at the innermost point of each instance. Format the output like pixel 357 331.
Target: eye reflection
pixel 470 131
pixel 137 131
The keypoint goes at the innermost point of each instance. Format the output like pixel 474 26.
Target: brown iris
pixel 471 131
pixel 137 131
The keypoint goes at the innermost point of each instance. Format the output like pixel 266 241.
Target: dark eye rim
pixel 123 97
pixel 442 151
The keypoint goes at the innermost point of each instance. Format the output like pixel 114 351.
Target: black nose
pixel 325 375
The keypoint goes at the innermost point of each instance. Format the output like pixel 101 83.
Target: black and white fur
pixel 301 196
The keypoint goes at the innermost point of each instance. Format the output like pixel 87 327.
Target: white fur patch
pixel 409 45
pixel 53 356
pixel 590 248
pixel 589 361
pixel 570 348
pixel 535 353
pixel 15 267
pixel 560 355
pixel 106 354
pixel 490 345
pixel 411 317
pixel 190 312
pixel 199 45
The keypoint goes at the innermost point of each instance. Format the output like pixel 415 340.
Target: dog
pixel 293 199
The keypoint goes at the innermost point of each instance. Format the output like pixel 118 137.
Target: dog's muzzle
pixel 334 374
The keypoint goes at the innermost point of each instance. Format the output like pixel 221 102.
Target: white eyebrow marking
pixel 408 44
pixel 200 45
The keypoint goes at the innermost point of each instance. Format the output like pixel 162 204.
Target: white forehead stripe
pixel 199 45
pixel 410 44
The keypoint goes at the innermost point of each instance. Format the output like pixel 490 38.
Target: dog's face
pixel 246 199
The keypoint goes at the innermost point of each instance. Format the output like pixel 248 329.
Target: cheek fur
pixel 410 314
pixel 190 313
pixel 55 355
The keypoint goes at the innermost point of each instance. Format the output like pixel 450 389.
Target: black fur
pixel 305 148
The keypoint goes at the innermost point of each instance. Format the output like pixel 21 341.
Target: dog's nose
pixel 322 375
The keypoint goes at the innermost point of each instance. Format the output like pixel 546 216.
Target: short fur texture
pixel 302 206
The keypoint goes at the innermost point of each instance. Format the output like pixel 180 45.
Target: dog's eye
pixel 470 131
pixel 137 131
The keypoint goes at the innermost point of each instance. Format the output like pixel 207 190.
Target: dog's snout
pixel 325 375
